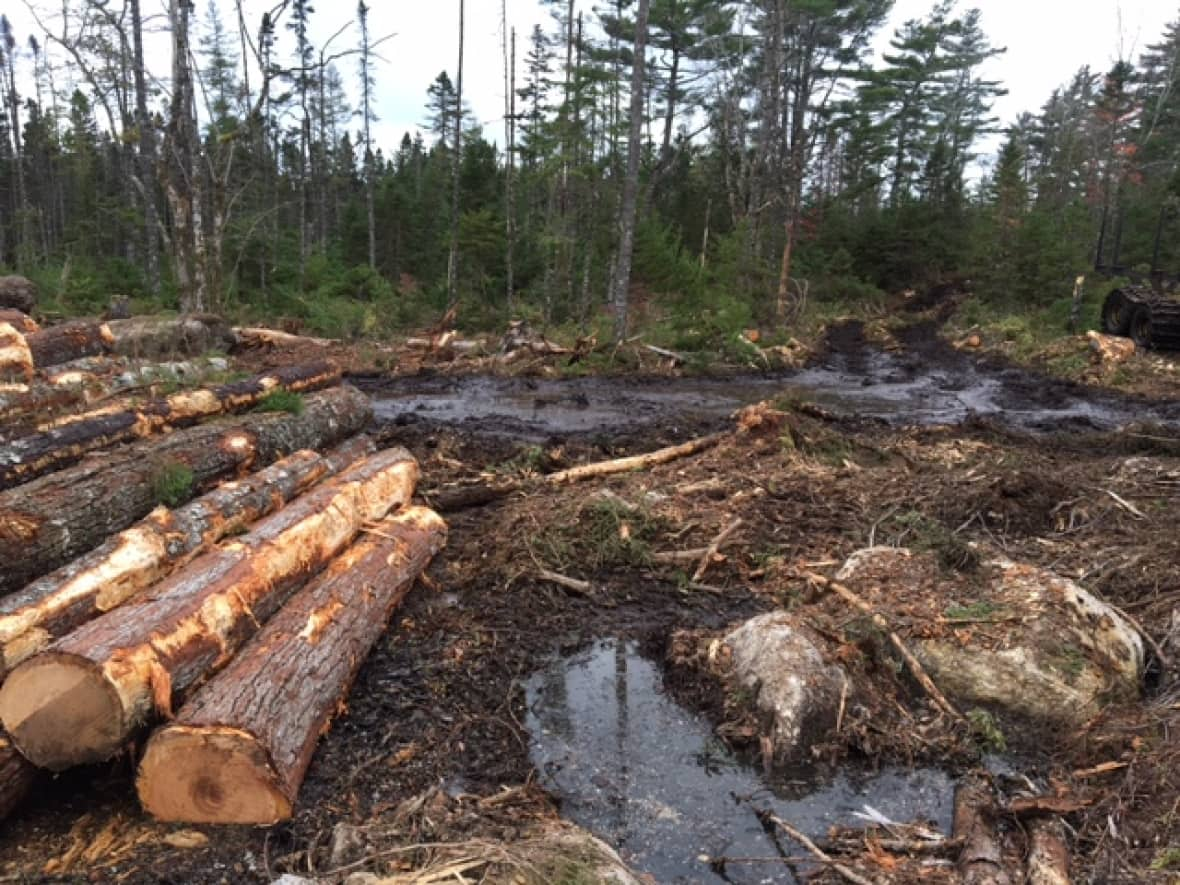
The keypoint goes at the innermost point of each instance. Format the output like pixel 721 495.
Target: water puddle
pixel 649 777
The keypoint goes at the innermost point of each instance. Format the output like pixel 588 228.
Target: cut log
pixel 22 322
pixel 48 522
pixel 160 337
pixel 636 462
pixel 17 776
pixel 19 293
pixel 981 861
pixel 1048 853
pixel 69 341
pixel 84 697
pixel 238 751
pixel 267 339
pixel 165 540
pixel 16 360
pixel 29 457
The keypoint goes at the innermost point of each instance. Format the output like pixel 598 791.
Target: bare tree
pixel 453 257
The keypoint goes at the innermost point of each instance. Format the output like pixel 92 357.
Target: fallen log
pixel 250 338
pixel 981 862
pixel 22 322
pixel 237 752
pixel 16 360
pixel 62 343
pixel 1048 853
pixel 636 462
pixel 159 337
pixel 29 457
pixel 84 697
pixel 149 551
pixel 48 522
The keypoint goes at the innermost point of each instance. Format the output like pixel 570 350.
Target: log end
pixel 210 776
pixel 61 712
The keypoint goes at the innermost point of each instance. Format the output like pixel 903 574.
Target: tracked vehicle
pixel 1150 317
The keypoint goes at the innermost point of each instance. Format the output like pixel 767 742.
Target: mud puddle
pixel 649 777
pixel 907 388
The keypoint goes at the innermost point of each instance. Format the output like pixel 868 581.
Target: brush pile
pixel 218 558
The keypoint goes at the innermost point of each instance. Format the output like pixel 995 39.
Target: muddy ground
pixel 922 444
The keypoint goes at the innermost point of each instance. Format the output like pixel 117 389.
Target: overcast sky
pixel 1047 41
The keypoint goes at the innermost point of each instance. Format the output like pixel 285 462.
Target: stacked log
pixel 29 457
pixel 158 337
pixel 16 360
pixel 237 752
pixel 22 322
pixel 18 293
pixel 46 523
pixel 86 696
pixel 131 561
pixel 59 344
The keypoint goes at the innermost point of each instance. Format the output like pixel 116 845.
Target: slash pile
pixel 219 559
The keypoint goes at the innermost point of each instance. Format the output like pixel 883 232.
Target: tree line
pixel 700 164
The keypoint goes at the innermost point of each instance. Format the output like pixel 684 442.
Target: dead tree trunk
pixel 69 341
pixel 29 457
pixel 48 522
pixel 84 697
pixel 238 751
pixel 149 551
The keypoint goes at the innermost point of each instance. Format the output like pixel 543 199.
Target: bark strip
pixel 84 697
pixel 69 341
pixel 149 551
pixel 37 454
pixel 50 521
pixel 238 751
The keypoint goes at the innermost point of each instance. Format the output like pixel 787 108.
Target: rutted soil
pixel 436 725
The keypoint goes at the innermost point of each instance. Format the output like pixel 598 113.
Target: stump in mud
pixel 84 697
pixel 48 522
pixel 166 539
pixel 238 751
pixel 19 293
pixel 29 457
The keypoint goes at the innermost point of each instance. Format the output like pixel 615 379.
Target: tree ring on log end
pixel 60 711
pixel 210 777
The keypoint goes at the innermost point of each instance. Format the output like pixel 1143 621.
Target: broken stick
pixel 915 667
pixel 715 547
pixel 636 462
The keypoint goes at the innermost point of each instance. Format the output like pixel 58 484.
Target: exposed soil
pixel 1039 470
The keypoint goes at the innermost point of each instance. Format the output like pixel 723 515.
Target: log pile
pixel 169 562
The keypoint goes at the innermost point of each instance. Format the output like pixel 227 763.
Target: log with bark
pixel 237 751
pixel 59 344
pixel 16 360
pixel 1048 852
pixel 48 522
pixel 159 337
pixel 29 457
pixel 17 776
pixel 19 293
pixel 84 697
pixel 133 560
pixel 981 861
pixel 22 322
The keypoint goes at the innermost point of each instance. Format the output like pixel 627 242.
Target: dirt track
pixel 441 702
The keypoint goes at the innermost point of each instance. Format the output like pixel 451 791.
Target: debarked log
pixel 63 343
pixel 31 456
pixel 85 697
pixel 131 561
pixel 237 752
pixel 50 521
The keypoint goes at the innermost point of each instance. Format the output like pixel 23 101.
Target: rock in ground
pixel 1011 637
pixel 775 658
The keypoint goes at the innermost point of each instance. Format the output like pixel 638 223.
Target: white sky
pixel 1047 40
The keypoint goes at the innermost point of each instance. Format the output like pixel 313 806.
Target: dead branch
pixel 635 462
pixel 819 854
pixel 714 548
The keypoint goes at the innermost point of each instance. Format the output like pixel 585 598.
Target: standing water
pixel 650 778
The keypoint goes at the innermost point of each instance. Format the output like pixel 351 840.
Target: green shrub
pixel 172 484
pixel 281 401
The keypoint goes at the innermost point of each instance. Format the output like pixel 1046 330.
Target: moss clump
pixel 281 401
pixel 172 484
